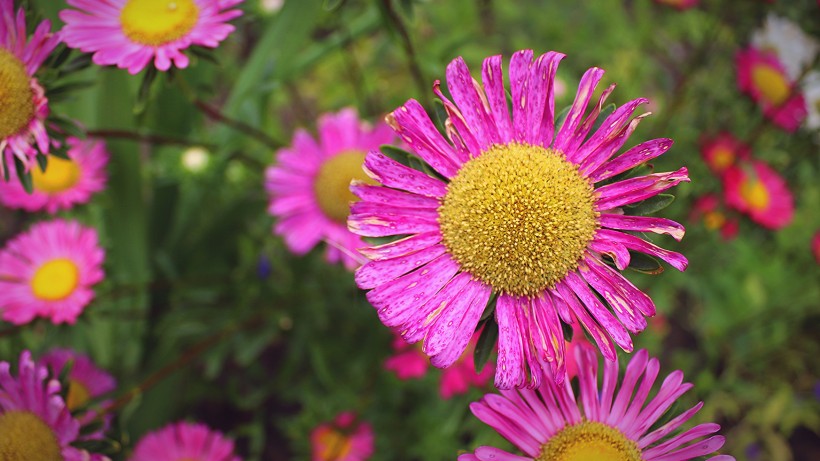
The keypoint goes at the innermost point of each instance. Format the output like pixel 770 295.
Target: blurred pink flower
pixel 709 209
pixel 679 4
pixel 184 441
pixel 65 183
pixel 343 439
pixel 815 246
pixel 132 33
pixel 722 151
pixel 309 185
pixel 757 190
pixel 761 75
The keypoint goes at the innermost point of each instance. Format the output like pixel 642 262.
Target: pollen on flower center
pixel 332 183
pixel 335 445
pixel 78 395
pixel 25 437
pixel 55 280
pixel 590 441
pixel 755 194
pixel 157 22
pixel 60 175
pixel 16 97
pixel 771 83
pixel 518 217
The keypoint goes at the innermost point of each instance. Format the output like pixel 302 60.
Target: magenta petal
pixel 671 390
pixel 496 454
pixel 610 136
pixel 619 254
pixel 416 324
pixel 519 88
pixel 377 273
pixel 492 76
pixel 393 174
pixel 626 313
pixel 702 448
pixel 642 224
pixel 478 295
pixel 676 260
pixel 636 189
pixel 641 153
pixel 599 311
pixel 374 220
pixel 634 370
pixel 509 369
pixel 683 438
pixel 541 98
pixel 401 247
pixel 560 306
pixel 393 197
pixel 601 338
pixel 547 336
pixel 461 134
pixel 630 292
pixel 472 104
pixel 412 123
pixel 669 427
pixel 606 151
pixel 567 133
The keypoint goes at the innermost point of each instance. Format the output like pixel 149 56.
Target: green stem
pixel 410 50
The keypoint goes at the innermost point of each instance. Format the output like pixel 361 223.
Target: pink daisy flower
pixel 49 271
pixel 550 423
pixel 410 362
pixel 815 246
pixel 35 423
pixel 309 184
pixel 519 209
pixel 64 183
pixel 25 107
pixel 762 76
pixel 722 151
pixel 344 439
pixel 709 209
pixel 679 5
pixel 132 33
pixel 184 441
pixel 757 190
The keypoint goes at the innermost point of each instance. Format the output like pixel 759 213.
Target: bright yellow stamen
pixel 755 194
pixel 722 158
pixel 336 446
pixel 55 280
pixel 16 97
pixel 26 437
pixel 60 175
pixel 590 441
pixel 157 22
pixel 78 395
pixel 771 83
pixel 332 184
pixel 714 220
pixel 518 218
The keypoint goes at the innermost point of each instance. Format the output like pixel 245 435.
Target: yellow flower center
pixel 771 83
pixel 332 184
pixel 722 158
pixel 25 437
pixel 336 446
pixel 16 98
pixel 590 441
pixel 518 217
pixel 755 194
pixel 714 220
pixel 78 395
pixel 157 22
pixel 55 280
pixel 59 176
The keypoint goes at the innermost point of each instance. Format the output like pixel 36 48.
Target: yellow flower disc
pixel 590 441
pixel 59 176
pixel 157 22
pixel 332 184
pixel 16 97
pixel 25 437
pixel 55 280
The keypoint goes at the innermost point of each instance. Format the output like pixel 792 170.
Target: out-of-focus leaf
pixel 641 262
pixel 651 205
pixel 23 175
pixel 485 345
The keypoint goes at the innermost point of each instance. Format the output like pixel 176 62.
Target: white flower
pixel 195 159
pixel 795 49
pixel 811 91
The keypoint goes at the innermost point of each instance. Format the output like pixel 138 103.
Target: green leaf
pixel 489 309
pixel 568 332
pixel 22 175
pixel 145 89
pixel 397 154
pixel 651 205
pixel 641 262
pixel 485 345
pixel 559 121
pixel 331 5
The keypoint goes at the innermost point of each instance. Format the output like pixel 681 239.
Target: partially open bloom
pixel 722 151
pixel 22 120
pixel 679 4
pixel 64 183
pixel 309 184
pixel 184 441
pixel 757 190
pixel 86 382
pixel 519 209
pixel 794 48
pixel 709 208
pixel 762 76
pixel 410 362
pixel 551 424
pixel 49 271
pixel 344 439
pixel 35 423
pixel 132 33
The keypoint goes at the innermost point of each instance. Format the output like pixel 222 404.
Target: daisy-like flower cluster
pixel 517 205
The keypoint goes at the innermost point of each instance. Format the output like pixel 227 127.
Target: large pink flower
pixel 551 423
pixel 132 33
pixel 344 439
pixel 22 129
pixel 761 75
pixel 184 441
pixel 757 190
pixel 64 183
pixel 722 151
pixel 517 206
pixel 35 423
pixel 49 271
pixel 309 184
